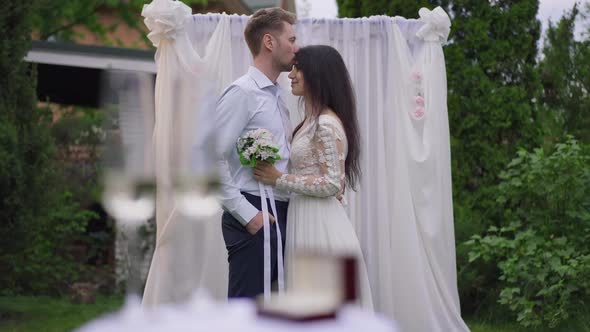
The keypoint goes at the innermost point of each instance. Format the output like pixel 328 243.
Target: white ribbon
pixel 437 25
pixel 266 229
pixel 164 19
pixel 281 274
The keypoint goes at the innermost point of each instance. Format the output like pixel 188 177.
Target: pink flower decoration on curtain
pixel 416 75
pixel 419 100
pixel 419 112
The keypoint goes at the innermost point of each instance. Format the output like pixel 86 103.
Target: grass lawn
pixel 575 324
pixel 478 326
pixel 52 315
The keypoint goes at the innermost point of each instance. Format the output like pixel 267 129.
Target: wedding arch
pixel 403 209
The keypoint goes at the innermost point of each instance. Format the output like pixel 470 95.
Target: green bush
pixel 540 249
pixel 79 137
pixel 41 220
pixel 48 264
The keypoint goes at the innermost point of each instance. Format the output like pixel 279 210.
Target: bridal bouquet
pixel 257 145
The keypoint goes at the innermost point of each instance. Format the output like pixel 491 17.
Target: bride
pixel 324 159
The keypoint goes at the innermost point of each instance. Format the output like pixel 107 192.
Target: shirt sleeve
pixel 232 116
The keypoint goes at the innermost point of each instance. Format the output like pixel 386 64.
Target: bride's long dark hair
pixel 328 85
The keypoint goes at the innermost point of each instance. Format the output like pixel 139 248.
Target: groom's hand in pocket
pixel 257 222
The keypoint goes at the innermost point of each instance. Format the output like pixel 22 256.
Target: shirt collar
pixel 261 80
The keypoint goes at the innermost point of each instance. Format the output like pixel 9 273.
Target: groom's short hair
pixel 265 21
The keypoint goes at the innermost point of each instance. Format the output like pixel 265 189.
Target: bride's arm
pixel 331 152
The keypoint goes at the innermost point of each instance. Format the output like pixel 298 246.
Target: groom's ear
pixel 267 41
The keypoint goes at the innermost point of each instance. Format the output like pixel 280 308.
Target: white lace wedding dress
pixel 316 219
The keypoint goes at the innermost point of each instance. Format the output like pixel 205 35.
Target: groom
pixel 251 102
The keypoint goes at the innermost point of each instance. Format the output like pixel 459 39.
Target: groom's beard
pixel 282 67
pixel 287 68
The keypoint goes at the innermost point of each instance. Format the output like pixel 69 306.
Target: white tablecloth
pixel 203 314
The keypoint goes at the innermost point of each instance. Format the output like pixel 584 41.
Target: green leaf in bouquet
pixel 243 160
pixel 273 160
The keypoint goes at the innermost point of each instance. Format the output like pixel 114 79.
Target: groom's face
pixel 284 52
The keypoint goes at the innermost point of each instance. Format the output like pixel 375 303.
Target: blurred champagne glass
pixel 129 186
pixel 164 164
pixel 196 178
pixel 192 235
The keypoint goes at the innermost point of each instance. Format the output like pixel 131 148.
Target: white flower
pixel 266 144
pixel 241 143
pixel 251 150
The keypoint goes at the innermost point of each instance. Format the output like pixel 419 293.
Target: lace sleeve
pixel 330 147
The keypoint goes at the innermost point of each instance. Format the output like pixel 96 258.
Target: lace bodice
pixel 317 160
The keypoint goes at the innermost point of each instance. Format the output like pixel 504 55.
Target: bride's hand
pixel 266 173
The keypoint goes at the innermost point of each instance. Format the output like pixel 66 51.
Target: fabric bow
pixel 437 25
pixel 164 18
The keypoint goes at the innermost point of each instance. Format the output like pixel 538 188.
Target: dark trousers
pixel 246 251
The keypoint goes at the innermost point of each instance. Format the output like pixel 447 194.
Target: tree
pixel 58 18
pixel 405 8
pixel 565 75
pixel 39 218
pixel 25 144
pixel 491 59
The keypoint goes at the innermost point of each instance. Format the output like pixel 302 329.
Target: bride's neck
pixel 308 107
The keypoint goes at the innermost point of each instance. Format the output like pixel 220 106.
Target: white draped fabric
pixel 402 211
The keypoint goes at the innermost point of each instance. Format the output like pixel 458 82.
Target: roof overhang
pixel 96 57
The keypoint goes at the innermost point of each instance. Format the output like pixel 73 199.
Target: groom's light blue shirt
pixel 251 102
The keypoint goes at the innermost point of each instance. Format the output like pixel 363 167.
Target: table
pixel 202 313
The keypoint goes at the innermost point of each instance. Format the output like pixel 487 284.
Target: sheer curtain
pixel 402 210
